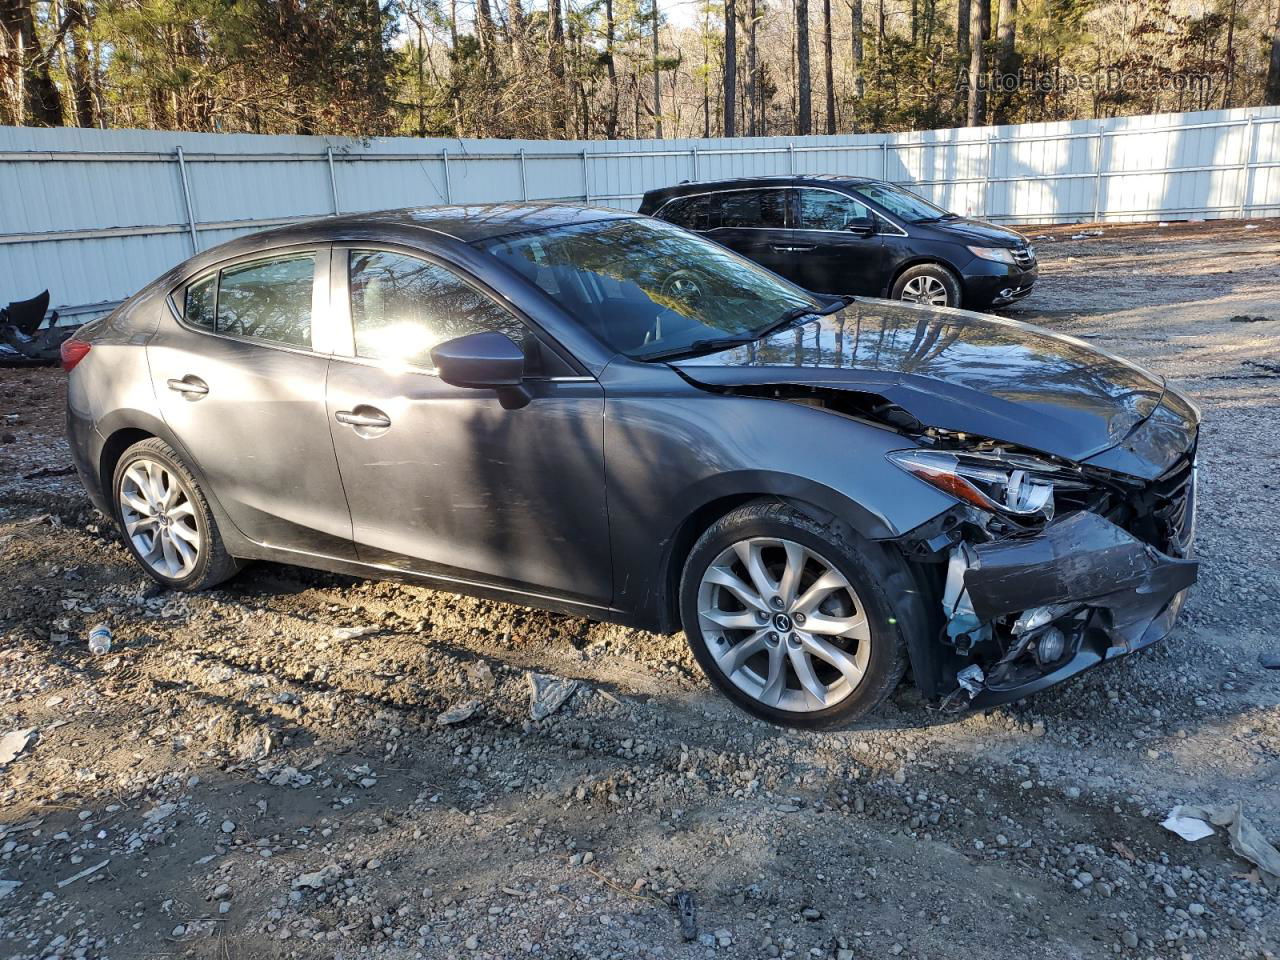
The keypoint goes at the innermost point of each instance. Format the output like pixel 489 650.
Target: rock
pixel 256 745
pixel 1196 909
pixel 811 913
pixel 1130 939
pixel 221 891
pixel 353 633
pixel 318 879
pixel 458 714
pixel 723 937
pixel 472 943
pixel 13 743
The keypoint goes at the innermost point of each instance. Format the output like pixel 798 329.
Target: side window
pixel 268 300
pixel 692 213
pixel 753 208
pixel 197 307
pixel 824 210
pixel 401 307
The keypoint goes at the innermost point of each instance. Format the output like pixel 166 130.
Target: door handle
pixel 191 387
pixel 376 420
pixel 779 249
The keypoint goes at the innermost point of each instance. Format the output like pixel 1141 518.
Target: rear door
pixel 842 251
pixel 240 377
pixel 754 223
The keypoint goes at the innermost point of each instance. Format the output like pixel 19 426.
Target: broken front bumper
pixel 1124 594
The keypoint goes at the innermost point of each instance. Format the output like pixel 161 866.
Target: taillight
pixel 72 352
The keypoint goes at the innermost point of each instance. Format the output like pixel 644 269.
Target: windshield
pixel 902 203
pixel 647 288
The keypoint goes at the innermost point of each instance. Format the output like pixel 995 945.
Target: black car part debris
pixel 22 341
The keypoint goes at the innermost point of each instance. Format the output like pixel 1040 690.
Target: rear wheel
pixel 928 283
pixel 789 618
pixel 166 520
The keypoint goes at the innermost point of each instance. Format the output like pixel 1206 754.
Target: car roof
pixel 772 180
pixel 460 223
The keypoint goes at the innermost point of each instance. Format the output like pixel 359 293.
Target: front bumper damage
pixel 1078 592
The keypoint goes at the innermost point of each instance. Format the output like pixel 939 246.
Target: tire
pixel 782 534
pixel 917 283
pixel 155 497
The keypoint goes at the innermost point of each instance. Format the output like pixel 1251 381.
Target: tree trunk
pixel 855 18
pixel 962 56
pixel 753 73
pixel 730 65
pixel 657 78
pixel 486 35
pixel 555 65
pixel 828 67
pixel 980 33
pixel 34 96
pixel 611 67
pixel 1006 58
pixel 515 29
pixel 1271 97
pixel 804 109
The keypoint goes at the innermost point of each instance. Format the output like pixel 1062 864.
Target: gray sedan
pixel 604 415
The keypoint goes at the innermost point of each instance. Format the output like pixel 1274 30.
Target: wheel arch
pixel 919 260
pixel 120 430
pixel 731 491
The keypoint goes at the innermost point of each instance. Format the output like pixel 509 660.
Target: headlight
pixel 1001 482
pixel 998 254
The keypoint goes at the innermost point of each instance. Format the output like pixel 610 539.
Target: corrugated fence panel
pixel 95 214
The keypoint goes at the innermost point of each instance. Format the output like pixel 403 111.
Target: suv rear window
pixel 692 213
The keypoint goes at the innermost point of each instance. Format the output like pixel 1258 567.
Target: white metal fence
pixel 95 214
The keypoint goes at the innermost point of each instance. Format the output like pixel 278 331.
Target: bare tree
pixel 657 78
pixel 1271 96
pixel 804 88
pixel 555 64
pixel 828 67
pixel 730 65
pixel 980 32
pixel 855 24
pixel 753 70
pixel 1006 57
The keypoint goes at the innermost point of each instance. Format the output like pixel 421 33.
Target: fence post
pixel 1245 169
pixel 791 158
pixel 448 187
pixel 586 180
pixel 186 199
pixel 524 180
pixel 333 180
pixel 1097 173
pixel 695 163
pixel 986 176
pixel 884 159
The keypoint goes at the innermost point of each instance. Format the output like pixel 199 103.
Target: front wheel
pixel 929 284
pixel 166 520
pixel 789 618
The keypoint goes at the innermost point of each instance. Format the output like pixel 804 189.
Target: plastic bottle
pixel 100 639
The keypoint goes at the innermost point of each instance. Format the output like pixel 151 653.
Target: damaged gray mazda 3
pixel 601 414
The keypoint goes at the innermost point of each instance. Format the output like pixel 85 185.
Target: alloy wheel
pixel 159 518
pixel 925 289
pixel 784 625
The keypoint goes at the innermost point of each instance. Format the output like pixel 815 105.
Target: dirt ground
pixel 241 776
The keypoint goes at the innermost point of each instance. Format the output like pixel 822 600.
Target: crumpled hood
pixel 965 372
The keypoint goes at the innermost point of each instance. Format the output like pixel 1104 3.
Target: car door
pixel 840 249
pixel 239 373
pixel 444 480
pixel 754 223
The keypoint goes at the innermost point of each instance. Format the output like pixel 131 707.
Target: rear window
pixel 753 208
pixel 692 213
pixel 267 300
pixel 199 304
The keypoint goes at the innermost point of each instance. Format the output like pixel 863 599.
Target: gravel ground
pixel 268 770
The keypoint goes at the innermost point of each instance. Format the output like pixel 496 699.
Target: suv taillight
pixel 72 352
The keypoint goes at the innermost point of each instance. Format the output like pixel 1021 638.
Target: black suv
pixel 852 235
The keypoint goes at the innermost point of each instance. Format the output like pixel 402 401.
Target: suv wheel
pixel 928 283
pixel 789 617
pixel 167 523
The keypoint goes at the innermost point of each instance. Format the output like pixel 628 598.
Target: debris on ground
pixel 1245 318
pixel 1245 839
pixel 86 872
pixel 353 633
pixel 13 743
pixel 462 712
pixel 547 693
pixel 688 913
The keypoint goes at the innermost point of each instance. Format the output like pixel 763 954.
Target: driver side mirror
pixel 484 361
pixel 863 227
